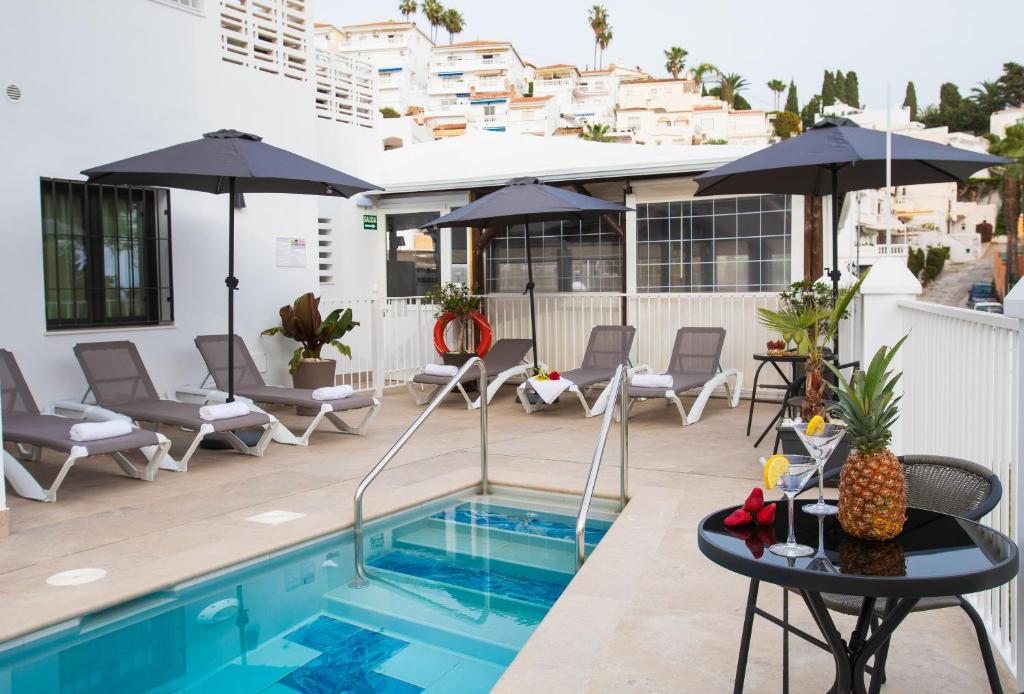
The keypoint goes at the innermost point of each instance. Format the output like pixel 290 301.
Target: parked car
pixel 981 291
pixel 989 306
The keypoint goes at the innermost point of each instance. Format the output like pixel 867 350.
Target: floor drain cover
pixel 275 517
pixel 76 577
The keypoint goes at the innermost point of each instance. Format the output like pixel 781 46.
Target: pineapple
pixel 872 489
pixel 871 558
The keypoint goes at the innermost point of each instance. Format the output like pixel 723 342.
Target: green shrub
pixel 388 112
pixel 935 261
pixel 915 261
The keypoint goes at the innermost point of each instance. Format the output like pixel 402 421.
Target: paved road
pixel 954 284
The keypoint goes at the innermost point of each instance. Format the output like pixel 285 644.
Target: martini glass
pixel 820 561
pixel 821 446
pixel 801 467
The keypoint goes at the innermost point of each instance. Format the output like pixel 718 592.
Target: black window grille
pixel 106 255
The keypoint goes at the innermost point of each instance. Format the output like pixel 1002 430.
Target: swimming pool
pixel 456 588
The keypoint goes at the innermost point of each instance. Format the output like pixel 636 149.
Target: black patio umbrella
pixel 521 201
pixel 836 156
pixel 231 162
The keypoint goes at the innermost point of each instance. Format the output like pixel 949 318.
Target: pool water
pixel 456 588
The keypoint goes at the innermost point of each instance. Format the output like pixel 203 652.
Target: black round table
pixel 936 555
pixel 795 361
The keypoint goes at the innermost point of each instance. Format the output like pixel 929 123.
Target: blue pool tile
pixel 323 634
pixel 425 565
pixel 348 667
pixel 468 677
pixel 522 522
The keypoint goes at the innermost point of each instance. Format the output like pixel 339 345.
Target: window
pixel 106 255
pixel 717 245
pixel 567 257
pixel 414 254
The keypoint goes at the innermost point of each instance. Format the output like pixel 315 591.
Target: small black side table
pixel 936 555
pixel 794 361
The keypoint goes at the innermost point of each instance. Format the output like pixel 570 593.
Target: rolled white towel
pixel 224 410
pixel 94 431
pixel 652 381
pixel 333 392
pixel 440 370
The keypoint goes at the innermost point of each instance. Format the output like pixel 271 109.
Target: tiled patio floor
pixel 647 613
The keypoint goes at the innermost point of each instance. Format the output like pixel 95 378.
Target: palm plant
pixel 810 318
pixel 675 61
pixel 700 71
pixel 602 42
pixel 777 87
pixel 433 10
pixel 597 17
pixel 453 23
pixel 1011 180
pixel 988 96
pixel 731 85
pixel 595 132
pixel 408 8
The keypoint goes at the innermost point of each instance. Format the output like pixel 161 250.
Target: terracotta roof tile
pixel 563 132
pixel 531 99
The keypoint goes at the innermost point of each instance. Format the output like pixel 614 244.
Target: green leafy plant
pixel 302 322
pixel 867 402
pixel 456 299
pixel 915 261
pixel 388 112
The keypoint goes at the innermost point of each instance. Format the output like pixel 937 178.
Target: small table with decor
pixel 935 555
pixel 795 361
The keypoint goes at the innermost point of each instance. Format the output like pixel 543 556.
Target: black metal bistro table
pixel 788 385
pixel 936 555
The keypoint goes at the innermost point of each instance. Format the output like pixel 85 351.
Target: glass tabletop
pixel 935 555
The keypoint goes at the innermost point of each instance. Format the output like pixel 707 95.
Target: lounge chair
pixel 249 384
pixel 506 358
pixel 121 385
pixel 695 363
pixel 30 432
pixel 607 347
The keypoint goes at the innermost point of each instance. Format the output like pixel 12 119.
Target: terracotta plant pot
pixel 313 374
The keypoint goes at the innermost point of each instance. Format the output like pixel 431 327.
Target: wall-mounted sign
pixel 290 252
pixel 370 222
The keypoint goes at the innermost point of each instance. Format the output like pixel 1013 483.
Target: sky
pixel 887 42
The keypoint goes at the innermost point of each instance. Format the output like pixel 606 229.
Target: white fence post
pixel 1013 307
pixel 377 358
pixel 5 513
pixel 888 283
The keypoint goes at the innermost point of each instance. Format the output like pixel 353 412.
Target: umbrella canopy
pixel 525 200
pixel 805 165
pixel 229 161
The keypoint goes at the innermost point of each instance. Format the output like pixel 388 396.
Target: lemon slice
pixel 774 468
pixel 816 426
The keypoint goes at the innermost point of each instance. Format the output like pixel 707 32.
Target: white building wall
pixel 154 77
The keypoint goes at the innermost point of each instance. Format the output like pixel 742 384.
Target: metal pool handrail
pixel 618 389
pixel 360 580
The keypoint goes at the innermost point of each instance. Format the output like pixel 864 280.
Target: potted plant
pixel 455 304
pixel 302 322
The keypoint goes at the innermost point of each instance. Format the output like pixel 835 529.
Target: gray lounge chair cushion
pixel 120 382
pixel 15 395
pixel 249 381
pixel 504 354
pixel 301 397
pixel 696 354
pixel 607 347
pixel 54 432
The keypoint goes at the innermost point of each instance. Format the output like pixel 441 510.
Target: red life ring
pixel 483 330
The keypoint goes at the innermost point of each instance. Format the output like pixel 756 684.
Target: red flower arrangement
pixel 554 376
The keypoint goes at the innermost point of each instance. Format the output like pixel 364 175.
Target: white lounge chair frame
pixel 706 391
pixel 422 397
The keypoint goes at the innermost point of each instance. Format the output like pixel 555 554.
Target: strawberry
pixel 737 518
pixel 754 502
pixel 766 516
pixel 554 376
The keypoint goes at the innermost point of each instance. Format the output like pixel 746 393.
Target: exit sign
pixel 370 221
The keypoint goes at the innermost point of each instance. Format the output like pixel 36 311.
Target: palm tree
pixel 989 97
pixel 777 87
pixel 597 17
pixel 1011 180
pixel 453 23
pixel 731 85
pixel 433 10
pixel 675 61
pixel 700 71
pixel 408 8
pixel 602 41
pixel 595 132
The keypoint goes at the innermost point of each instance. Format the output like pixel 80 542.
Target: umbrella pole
pixel 529 289
pixel 835 274
pixel 232 284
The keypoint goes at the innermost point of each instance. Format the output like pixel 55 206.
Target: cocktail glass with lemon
pixel 790 474
pixel 820 439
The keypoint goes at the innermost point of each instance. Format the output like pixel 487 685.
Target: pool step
pixel 481 547
pixel 554 526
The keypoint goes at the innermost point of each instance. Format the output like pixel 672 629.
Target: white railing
pixel 962 398
pixel 394 340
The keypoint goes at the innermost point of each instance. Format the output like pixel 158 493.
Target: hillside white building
pixel 398 52
pixel 1001 120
